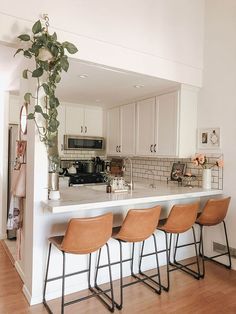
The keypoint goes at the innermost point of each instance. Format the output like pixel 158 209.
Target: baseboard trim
pixel 27 294
pixel 20 271
pixel 3 236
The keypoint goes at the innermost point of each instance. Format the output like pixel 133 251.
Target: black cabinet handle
pixel 85 129
pixel 117 149
pixel 155 148
pixel 81 129
pixel 151 148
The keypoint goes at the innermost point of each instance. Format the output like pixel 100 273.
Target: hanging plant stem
pixel 50 60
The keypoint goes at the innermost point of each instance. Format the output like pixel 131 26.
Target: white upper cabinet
pixel 127 129
pixel 84 121
pixel 121 131
pixel 167 127
pixel 113 131
pixel 164 126
pixel 62 126
pixel 146 131
pixel 167 124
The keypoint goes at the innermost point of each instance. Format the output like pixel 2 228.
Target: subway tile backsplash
pixel 159 169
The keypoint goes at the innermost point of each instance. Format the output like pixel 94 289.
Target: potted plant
pixel 50 60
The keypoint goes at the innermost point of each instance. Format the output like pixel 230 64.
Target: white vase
pixel 206 179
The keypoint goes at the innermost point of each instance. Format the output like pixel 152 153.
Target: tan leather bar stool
pixel 181 219
pixel 213 213
pixel 83 236
pixel 138 226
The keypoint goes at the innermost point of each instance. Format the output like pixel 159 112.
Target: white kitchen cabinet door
pixel 113 131
pixel 93 118
pixel 167 124
pixel 74 119
pixel 127 129
pixel 146 128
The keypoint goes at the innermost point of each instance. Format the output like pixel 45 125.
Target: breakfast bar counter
pixel 95 197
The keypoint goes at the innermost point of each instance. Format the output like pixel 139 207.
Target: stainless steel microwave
pixel 74 142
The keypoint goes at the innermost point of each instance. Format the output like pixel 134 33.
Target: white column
pixel 4 102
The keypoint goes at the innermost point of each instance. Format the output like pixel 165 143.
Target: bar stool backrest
pixel 139 224
pixel 86 235
pixel 214 211
pixel 181 218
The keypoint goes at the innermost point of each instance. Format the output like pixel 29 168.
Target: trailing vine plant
pixel 50 60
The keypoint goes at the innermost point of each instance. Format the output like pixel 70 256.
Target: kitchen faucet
pixel 131 183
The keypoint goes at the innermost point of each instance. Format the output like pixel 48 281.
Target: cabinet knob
pixel 151 148
pixel 155 148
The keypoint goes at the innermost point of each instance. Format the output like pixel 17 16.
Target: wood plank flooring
pixel 215 294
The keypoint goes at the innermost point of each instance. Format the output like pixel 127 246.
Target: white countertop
pixel 95 197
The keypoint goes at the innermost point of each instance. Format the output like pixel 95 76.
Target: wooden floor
pixel 215 294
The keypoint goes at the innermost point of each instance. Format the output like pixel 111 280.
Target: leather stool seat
pixel 138 226
pixel 181 219
pixel 214 213
pixel 82 236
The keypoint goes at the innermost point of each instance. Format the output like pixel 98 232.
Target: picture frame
pixel 209 138
pixel 177 171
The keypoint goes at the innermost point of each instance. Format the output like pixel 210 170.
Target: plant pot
pixel 54 195
pixel 53 181
pixel 206 179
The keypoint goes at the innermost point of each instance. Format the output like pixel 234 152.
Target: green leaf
pixel 24 37
pixel 25 74
pixel 38 109
pixel 30 116
pixel 70 47
pixel 46 88
pixel 17 51
pixel 27 97
pixel 64 63
pixel 37 27
pixel 57 78
pixel 54 36
pixel 38 72
pixel 46 116
pixel 27 54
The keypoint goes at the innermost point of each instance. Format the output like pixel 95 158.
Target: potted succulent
pixel 50 60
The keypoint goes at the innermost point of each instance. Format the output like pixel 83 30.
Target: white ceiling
pixel 103 86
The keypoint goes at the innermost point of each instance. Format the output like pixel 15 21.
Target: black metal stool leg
pixel 141 257
pixel 63 284
pixel 46 279
pixel 227 243
pixel 212 258
pixel 132 261
pixel 96 273
pixel 196 253
pixel 120 305
pixel 158 268
pixel 89 272
pixel 201 251
pixel 111 283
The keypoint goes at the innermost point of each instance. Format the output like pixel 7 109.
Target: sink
pixel 101 188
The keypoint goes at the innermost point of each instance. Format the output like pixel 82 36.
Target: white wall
pixel 217 99
pixel 4 101
pixel 163 38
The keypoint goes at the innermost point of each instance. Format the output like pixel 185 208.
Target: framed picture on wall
pixel 209 138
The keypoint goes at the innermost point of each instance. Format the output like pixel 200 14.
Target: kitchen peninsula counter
pixel 95 197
